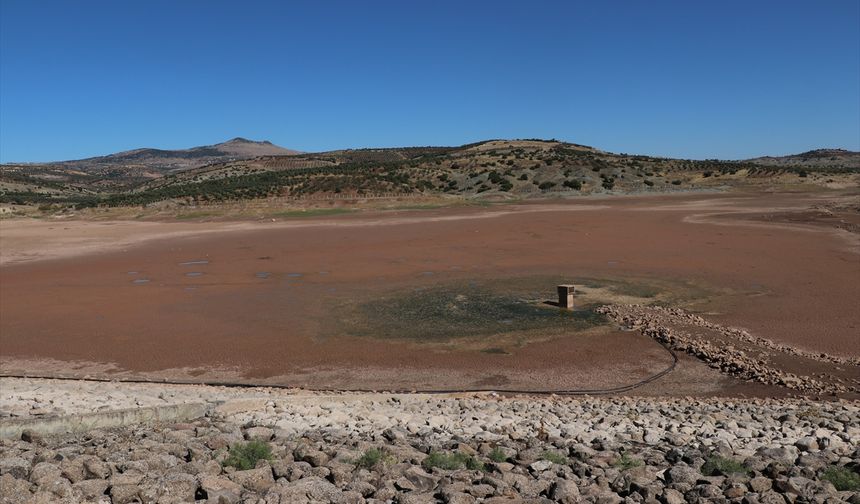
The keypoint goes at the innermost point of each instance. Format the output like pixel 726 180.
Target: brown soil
pixel 793 284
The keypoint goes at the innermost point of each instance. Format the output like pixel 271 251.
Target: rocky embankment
pixel 274 446
pixel 735 351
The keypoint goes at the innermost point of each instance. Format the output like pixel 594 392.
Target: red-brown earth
pixel 78 312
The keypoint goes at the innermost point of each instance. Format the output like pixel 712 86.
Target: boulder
pixel 311 489
pixel 16 467
pixel 565 492
pixel 420 479
pixel 13 490
pixel 682 474
pixel 259 434
pixel 90 489
pixel 256 480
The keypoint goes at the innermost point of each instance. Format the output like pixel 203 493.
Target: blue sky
pixel 727 79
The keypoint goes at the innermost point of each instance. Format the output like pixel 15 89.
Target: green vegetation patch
pixel 625 462
pixel 442 313
pixel 451 461
pixel 372 457
pixel 494 316
pixel 554 457
pixel 843 478
pixel 498 455
pixel 244 456
pixel 721 466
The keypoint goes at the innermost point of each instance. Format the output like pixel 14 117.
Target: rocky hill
pixel 490 169
pixel 817 157
pixel 123 169
pixel 165 161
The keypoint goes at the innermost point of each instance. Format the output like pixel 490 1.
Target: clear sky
pixel 727 79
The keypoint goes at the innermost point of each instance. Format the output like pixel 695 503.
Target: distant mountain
pixel 817 157
pixel 160 161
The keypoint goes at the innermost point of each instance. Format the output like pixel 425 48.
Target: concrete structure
pixel 565 296
pixel 75 424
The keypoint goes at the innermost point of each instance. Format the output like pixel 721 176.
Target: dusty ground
pixel 259 308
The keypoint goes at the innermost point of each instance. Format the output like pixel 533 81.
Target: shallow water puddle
pixel 140 281
pixel 194 274
pixel 295 275
pixel 262 274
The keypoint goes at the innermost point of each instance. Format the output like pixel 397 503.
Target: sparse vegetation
pixel 311 212
pixel 842 478
pixel 244 456
pixel 809 413
pixel 497 455
pixel 625 462
pixel 721 466
pixel 372 457
pixel 451 461
pixel 509 167
pixel 554 457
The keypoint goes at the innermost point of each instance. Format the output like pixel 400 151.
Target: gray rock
pixel 608 497
pixel 95 468
pixel 416 498
pixel 89 489
pixel 795 485
pixel 771 497
pixel 785 455
pixel 257 480
pixel 458 498
pixel 540 465
pixel 13 490
pixel 422 481
pixel 73 469
pixel 179 487
pixel 59 486
pixel 527 487
pixel 313 457
pixel 259 433
pixel 672 496
pixel 44 470
pixel 565 492
pixel 652 436
pixel 16 467
pixel 481 490
pixel 309 489
pixel 124 493
pixel 807 443
pixel 682 474
pixel 760 484
pixel 127 478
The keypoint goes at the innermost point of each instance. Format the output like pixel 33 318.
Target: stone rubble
pixel 662 324
pixel 518 449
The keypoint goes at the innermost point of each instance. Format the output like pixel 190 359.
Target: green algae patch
pixel 496 316
pixel 444 313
